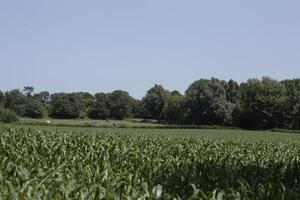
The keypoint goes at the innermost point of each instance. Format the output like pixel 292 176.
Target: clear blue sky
pixel 94 46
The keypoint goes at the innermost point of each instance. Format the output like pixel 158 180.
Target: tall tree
pixel 15 101
pixel 292 103
pixel 207 102
pixel 139 110
pixel 2 98
pixel 34 108
pixel 28 91
pixel 100 109
pixel 67 106
pixel 155 101
pixel 175 110
pixel 262 104
pixel 232 91
pixel 43 96
pixel 119 104
pixel 88 100
pixel 7 115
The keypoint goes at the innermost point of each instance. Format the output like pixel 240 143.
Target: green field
pixel 89 123
pixel 49 162
pixel 127 123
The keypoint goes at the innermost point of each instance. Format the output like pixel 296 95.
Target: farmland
pixel 40 162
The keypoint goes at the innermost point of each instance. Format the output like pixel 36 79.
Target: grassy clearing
pixel 128 123
pixel 113 163
pixel 88 123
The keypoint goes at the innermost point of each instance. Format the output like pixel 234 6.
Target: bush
pixel 7 116
pixel 34 109
pixel 67 106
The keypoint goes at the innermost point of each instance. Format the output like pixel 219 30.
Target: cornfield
pixel 59 164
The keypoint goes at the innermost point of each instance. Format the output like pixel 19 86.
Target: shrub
pixel 34 109
pixel 7 116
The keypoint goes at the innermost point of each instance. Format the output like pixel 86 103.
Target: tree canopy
pixel 255 104
pixel 207 102
pixel 155 100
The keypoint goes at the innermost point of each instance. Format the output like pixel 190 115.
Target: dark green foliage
pixel 100 109
pixel 175 110
pixel 67 106
pixel 139 110
pixel 232 91
pixel 2 98
pixel 207 102
pixel 175 93
pixel 34 109
pixel 7 116
pixel 88 100
pixel 15 101
pixel 262 104
pixel 48 109
pixel 115 105
pixel 28 91
pixel 255 104
pixel 155 100
pixel 119 104
pixel 44 97
pixel 292 103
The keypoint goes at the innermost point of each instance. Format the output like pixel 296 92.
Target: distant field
pixel 54 162
pixel 127 123
pixel 89 122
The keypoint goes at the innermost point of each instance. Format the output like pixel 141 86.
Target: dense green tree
pixel 232 91
pixel 67 106
pixel 139 110
pixel 292 103
pixel 207 102
pixel 255 104
pixel 175 93
pixel 262 104
pixel 101 96
pixel 119 104
pixel 24 105
pixel 100 109
pixel 155 100
pixel 28 91
pixel 34 108
pixel 49 109
pixel 7 116
pixel 15 101
pixel 2 98
pixel 88 100
pixel 43 96
pixel 175 110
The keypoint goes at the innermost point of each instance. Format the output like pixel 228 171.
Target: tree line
pixel 256 104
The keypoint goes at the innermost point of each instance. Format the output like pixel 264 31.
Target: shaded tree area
pixel 2 98
pixel 255 104
pixel 67 106
pixel 175 110
pixel 207 102
pixel 120 104
pixel 100 109
pixel 155 101
pixel 262 104
pixel 291 106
